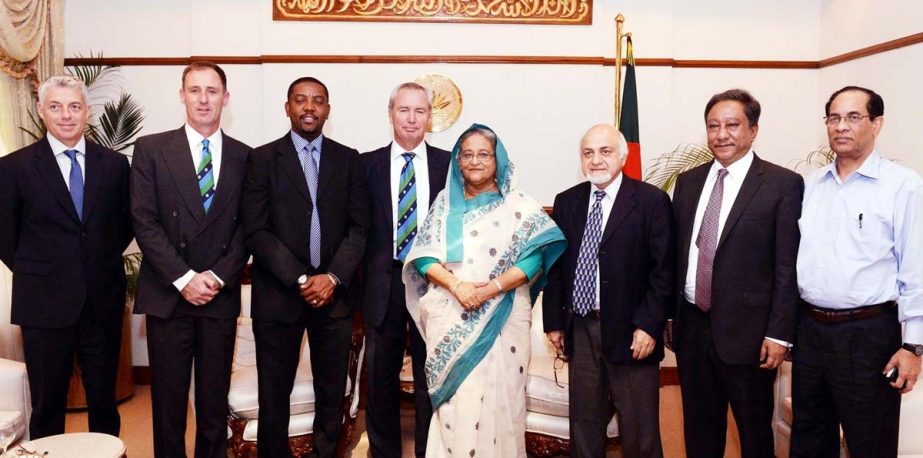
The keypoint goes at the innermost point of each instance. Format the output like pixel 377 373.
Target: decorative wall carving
pixel 574 12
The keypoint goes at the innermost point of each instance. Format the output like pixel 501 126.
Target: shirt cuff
pixel 780 342
pixel 334 279
pixel 913 330
pixel 181 282
pixel 220 281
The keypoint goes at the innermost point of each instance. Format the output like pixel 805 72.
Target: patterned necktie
pixel 76 183
pixel 588 259
pixel 206 177
pixel 707 241
pixel 310 174
pixel 406 208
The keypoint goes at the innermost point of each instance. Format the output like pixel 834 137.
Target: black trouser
pixel 49 355
pixel 384 357
pixel 837 381
pixel 173 346
pixel 278 350
pixel 635 391
pixel 709 384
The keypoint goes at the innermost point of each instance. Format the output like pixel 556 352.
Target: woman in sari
pixel 472 275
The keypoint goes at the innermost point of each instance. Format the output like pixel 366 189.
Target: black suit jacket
pixel 61 264
pixel 636 266
pixel 754 289
pixel 380 248
pixel 173 230
pixel 277 214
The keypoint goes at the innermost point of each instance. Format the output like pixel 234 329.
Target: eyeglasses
pixel 481 157
pixel 559 360
pixel 851 119
pixel 26 453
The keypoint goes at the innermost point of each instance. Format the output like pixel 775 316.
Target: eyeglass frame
pixel 480 156
pixel 559 356
pixel 851 119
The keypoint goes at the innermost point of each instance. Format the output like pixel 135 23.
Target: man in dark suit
pixel 305 207
pixel 186 198
pixel 606 300
pixel 397 174
pixel 64 223
pixel 737 223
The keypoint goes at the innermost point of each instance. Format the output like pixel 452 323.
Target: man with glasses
pixel 606 300
pixel 860 275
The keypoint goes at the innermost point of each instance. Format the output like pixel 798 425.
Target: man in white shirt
pixel 186 197
pixel 64 223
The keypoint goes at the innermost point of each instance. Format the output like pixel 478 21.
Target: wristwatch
pixel 302 279
pixel 913 348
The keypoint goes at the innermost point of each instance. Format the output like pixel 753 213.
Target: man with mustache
pixel 305 215
pixel 737 223
pixel 860 275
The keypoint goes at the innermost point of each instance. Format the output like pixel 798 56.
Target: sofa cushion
pixel 18 420
pixel 298 425
pixel 543 395
pixel 787 410
pixel 555 426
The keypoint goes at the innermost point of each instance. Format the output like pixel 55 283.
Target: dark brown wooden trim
pixel 141 374
pixel 909 40
pixel 669 376
pixel 527 60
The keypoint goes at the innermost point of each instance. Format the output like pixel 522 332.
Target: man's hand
pixel 642 344
pixel 201 289
pixel 908 369
pixel 557 339
pixel 668 335
pixel 772 354
pixel 318 290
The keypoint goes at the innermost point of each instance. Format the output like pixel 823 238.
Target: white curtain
pixel 31 49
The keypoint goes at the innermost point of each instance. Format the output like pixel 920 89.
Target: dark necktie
pixel 76 183
pixel 406 208
pixel 707 241
pixel 310 174
pixel 588 259
pixel 206 177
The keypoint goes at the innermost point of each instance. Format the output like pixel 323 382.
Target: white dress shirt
pixel 195 147
pixel 64 162
pixel 605 204
pixel 421 176
pixel 862 240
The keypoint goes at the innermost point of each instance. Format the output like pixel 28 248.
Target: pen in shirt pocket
pixel 860 220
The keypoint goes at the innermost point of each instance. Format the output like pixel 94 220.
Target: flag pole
pixel 619 20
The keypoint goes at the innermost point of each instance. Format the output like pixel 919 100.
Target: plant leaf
pixel 664 170
pixel 119 123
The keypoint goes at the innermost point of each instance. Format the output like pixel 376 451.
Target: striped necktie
pixel 406 208
pixel 206 177
pixel 76 183
pixel 588 259
pixel 310 174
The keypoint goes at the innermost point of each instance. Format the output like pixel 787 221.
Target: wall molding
pixel 867 51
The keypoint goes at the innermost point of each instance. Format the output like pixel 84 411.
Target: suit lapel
pixel 624 202
pixel 748 189
pixel 228 185
pixel 582 207
pixel 48 168
pixel 437 168
pixel 179 161
pixel 291 166
pixel 94 175
pixel 383 187
pixel 328 168
pixel 689 204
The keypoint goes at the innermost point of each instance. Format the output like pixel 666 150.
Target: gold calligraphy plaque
pixel 573 12
pixel 447 100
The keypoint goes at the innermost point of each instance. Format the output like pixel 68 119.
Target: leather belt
pixel 830 316
pixel 592 314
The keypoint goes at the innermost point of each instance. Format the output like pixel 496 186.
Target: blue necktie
pixel 588 259
pixel 76 183
pixel 206 176
pixel 406 208
pixel 310 174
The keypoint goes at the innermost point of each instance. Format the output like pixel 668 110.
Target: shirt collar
pixel 58 147
pixel 870 168
pixel 300 142
pixel 195 138
pixel 610 190
pixel 738 170
pixel 397 151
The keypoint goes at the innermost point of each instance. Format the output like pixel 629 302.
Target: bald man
pixel 607 319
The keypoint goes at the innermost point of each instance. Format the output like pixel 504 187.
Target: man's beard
pixel 599 178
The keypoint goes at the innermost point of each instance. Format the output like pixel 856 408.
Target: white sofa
pixel 15 401
pixel 243 395
pixel 547 420
pixel 910 441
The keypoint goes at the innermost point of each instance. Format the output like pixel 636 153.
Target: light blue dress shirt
pixel 862 240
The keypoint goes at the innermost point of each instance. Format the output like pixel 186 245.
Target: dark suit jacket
pixel 380 249
pixel 636 266
pixel 277 215
pixel 754 289
pixel 173 230
pixel 59 263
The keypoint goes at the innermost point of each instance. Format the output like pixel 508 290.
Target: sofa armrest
pixel 15 393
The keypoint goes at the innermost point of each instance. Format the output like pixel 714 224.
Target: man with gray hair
pixel 403 177
pixel 64 223
pixel 606 300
